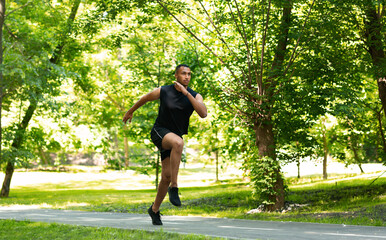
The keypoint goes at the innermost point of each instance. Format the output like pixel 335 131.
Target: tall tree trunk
pixel 325 155
pixel 59 48
pixel 354 146
pixel 2 16
pixel 265 139
pixel 18 139
pixel 298 159
pixel 382 134
pixel 43 156
pixel 17 142
pixel 266 146
pixel 127 158
pixel 374 42
pixel 216 153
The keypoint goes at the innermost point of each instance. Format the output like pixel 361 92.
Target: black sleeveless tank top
pixel 175 110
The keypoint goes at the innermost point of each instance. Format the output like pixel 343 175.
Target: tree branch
pixel 293 57
pixel 122 108
pixel 59 48
pixel 382 12
pixel 197 38
pixel 216 28
pixel 188 30
pixel 10 32
pixel 254 33
pixel 141 51
pixel 243 36
pixel 227 90
pixel 16 9
pixel 260 80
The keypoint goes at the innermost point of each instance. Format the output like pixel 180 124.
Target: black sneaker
pixel 155 217
pixel 173 196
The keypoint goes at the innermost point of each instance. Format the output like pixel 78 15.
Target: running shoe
pixel 173 196
pixel 155 217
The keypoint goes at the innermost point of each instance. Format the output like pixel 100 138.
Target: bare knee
pixel 178 144
pixel 166 180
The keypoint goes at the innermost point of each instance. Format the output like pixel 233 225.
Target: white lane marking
pixel 354 235
pixel 348 235
pixel 175 223
pixel 248 228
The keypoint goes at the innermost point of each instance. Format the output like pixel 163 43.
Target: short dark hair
pixel 181 65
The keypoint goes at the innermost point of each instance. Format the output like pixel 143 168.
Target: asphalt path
pixel 216 227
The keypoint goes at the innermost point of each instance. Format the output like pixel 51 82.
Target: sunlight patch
pixel 72 204
pixel 25 207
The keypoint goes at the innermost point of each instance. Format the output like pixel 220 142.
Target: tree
pixel 2 18
pixel 362 27
pixel 323 132
pixel 258 66
pixel 374 38
pixel 44 80
pixel 357 139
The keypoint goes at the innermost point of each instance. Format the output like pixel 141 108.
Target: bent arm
pixel 151 96
pixel 198 104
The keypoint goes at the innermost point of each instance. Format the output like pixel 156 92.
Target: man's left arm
pixel 198 104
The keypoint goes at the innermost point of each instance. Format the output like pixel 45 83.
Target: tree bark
pixel 16 144
pixel 354 147
pixel 43 157
pixel 265 139
pixel 325 156
pixel 266 146
pixel 2 15
pixel 374 42
pixel 382 134
pixel 127 158
pixel 59 48
pixel 216 153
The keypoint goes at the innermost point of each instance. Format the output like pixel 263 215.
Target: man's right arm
pixel 151 96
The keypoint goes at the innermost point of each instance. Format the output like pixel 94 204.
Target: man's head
pixel 183 74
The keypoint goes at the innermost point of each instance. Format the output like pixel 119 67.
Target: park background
pixel 287 83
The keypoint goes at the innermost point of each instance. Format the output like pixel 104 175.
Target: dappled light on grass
pixel 119 180
pixel 347 200
pixel 98 179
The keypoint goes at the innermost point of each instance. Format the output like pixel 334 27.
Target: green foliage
pixel 265 174
pixel 37 79
pixel 119 50
pixel 18 156
pixel 359 137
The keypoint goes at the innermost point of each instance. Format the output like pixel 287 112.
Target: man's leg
pixel 163 185
pixel 174 143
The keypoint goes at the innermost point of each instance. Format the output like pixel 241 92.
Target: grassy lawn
pixel 351 200
pixel 355 201
pixel 18 230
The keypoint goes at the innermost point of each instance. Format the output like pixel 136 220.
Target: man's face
pixel 183 76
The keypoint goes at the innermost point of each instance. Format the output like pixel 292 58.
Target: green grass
pixel 341 201
pixel 16 230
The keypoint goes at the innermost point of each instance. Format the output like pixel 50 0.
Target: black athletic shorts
pixel 157 134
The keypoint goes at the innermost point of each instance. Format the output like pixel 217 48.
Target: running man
pixel 177 103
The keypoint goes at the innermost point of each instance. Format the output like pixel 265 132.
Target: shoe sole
pixel 149 212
